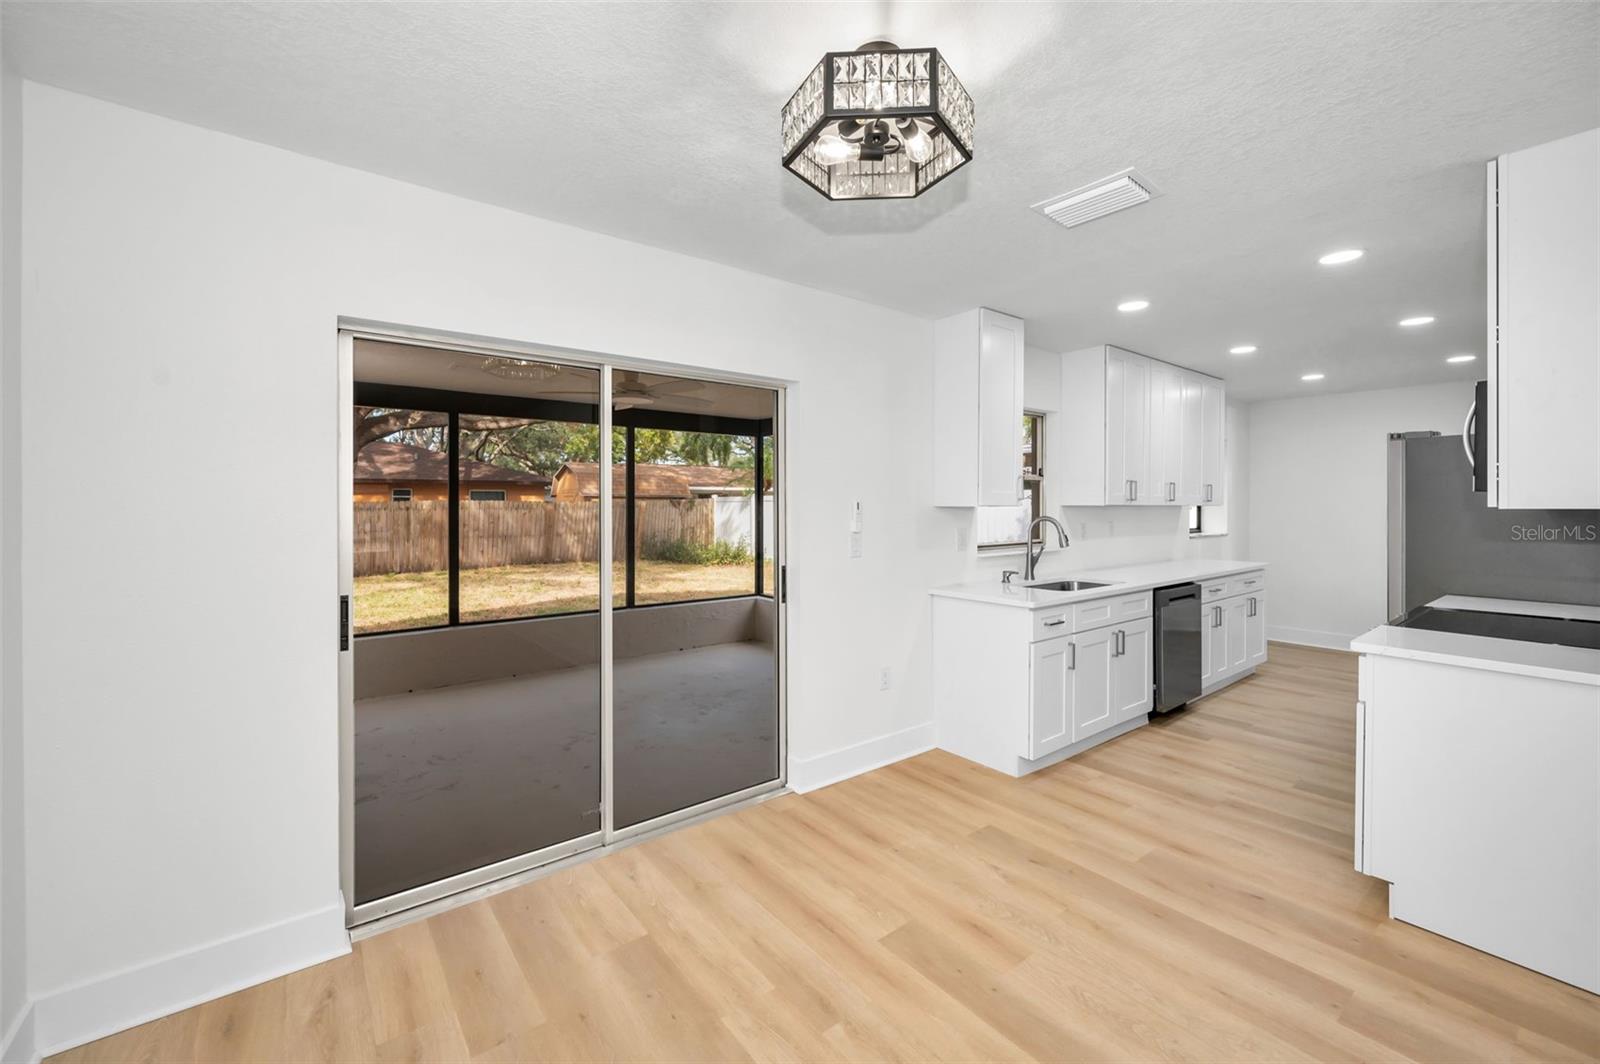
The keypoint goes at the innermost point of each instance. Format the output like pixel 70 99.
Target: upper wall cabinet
pixel 977 409
pixel 1543 344
pixel 1136 432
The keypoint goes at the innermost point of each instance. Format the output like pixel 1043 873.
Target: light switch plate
pixel 855 544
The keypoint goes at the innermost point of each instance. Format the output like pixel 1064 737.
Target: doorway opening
pixel 542 659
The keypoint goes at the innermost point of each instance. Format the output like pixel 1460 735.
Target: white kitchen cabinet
pixel 1050 696
pixel 1235 620
pixel 1127 413
pixel 1091 683
pixel 1134 431
pixel 1213 454
pixel 1213 644
pixel 1166 433
pixel 1543 341
pixel 1255 630
pixel 977 401
pixel 1132 692
pixel 1191 466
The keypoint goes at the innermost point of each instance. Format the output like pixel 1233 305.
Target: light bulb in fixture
pixel 1339 258
pixel 1311 377
pixel 1411 323
pixel 1462 358
pixel 833 149
pixel 1243 349
pixel 1132 305
pixel 918 145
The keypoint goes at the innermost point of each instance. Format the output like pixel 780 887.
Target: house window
pixel 1196 519
pixel 487 495
pixel 1002 527
pixel 400 495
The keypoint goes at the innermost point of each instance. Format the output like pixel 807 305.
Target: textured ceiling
pixel 1275 131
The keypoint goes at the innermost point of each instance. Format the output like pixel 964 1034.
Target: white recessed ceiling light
pixel 1311 377
pixel 1461 358
pixel 1423 319
pixel 1243 349
pixel 1132 305
pixel 1337 258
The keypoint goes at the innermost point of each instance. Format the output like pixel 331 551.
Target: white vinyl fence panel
pixel 734 520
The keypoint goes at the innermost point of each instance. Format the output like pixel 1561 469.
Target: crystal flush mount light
pixel 880 122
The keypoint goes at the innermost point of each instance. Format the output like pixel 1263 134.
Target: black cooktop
pixel 1558 630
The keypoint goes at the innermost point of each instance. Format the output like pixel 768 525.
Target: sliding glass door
pixel 695 679
pixel 476 731
pixel 486 729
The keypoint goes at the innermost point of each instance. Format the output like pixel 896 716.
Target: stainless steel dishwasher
pixel 1177 646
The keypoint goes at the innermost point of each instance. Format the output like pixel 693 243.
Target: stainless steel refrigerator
pixel 1445 540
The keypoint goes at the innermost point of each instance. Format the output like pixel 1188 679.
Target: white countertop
pixel 1118 580
pixel 1546 660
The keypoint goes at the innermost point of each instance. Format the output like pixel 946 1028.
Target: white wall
pixel 1119 535
pixel 1319 504
pixel 15 1036
pixel 183 288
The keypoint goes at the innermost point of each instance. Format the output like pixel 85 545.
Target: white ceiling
pixel 1275 131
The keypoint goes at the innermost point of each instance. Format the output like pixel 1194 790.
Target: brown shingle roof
pixel 384 461
pixel 651 481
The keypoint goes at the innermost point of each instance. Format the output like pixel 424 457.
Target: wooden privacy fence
pixel 413 537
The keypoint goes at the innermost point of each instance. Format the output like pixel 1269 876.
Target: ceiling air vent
pixel 1121 190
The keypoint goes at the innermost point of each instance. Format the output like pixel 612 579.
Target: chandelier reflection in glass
pixel 878 123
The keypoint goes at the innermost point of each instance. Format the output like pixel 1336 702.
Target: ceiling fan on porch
pixel 628 390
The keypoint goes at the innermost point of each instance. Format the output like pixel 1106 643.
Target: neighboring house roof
pixel 384 461
pixel 652 481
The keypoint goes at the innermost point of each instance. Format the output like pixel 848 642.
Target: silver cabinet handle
pixel 1072 656
pixel 1135 491
pixel 1122 642
pixel 1057 623
pixel 1468 429
pixel 1216 616
pixel 1252 605
pixel 1208 493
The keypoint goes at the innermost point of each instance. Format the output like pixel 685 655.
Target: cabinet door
pixel 1166 435
pixel 1546 368
pixel 1050 696
pixel 1127 426
pixel 1213 409
pixel 1000 359
pixel 1091 683
pixel 1213 643
pixel 1132 689
pixel 1191 469
pixel 1255 629
pixel 1234 623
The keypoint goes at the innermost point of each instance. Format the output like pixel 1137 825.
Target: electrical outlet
pixel 855 544
pixel 883 679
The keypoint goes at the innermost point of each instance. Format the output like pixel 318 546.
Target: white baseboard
pixel 98 1007
pixel 810 773
pixel 1311 637
pixel 17 1045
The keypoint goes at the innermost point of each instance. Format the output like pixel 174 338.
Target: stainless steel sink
pixel 1067 585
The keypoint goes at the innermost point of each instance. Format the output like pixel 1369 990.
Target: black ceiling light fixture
pixel 880 122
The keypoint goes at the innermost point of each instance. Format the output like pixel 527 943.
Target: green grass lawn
pixel 416 600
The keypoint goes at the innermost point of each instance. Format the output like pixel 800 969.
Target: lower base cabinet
pixel 1084 683
pixel 1233 637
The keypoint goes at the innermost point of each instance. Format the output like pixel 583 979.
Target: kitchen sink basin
pixel 1067 585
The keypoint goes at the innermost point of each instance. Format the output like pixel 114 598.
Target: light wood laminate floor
pixel 1184 892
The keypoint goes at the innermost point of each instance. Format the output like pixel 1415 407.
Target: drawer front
pixel 1099 612
pixel 1215 589
pixel 1247 583
pixel 1047 624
